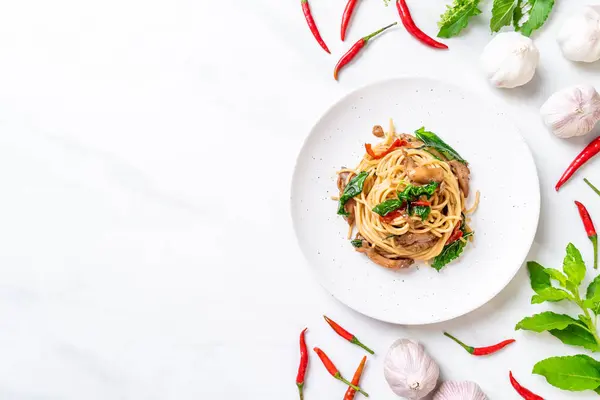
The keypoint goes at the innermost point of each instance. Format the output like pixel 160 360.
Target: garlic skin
pixel 453 390
pixel 409 370
pixel 510 59
pixel 579 37
pixel 572 111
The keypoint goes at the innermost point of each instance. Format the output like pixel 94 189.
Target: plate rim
pixel 487 103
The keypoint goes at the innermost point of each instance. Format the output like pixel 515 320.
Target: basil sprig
pixel 433 141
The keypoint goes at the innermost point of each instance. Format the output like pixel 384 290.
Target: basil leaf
pixel 531 15
pixel 353 188
pixel 356 243
pixel 432 140
pixel 450 253
pixel 593 289
pixel 557 276
pixel 502 13
pixel 387 207
pixel 456 17
pixel 546 321
pixel 539 277
pixel 576 335
pixel 549 294
pixel 421 211
pixel 573 265
pixel 574 373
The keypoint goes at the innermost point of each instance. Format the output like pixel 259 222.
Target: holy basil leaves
pixel 353 188
pixel 450 253
pixel 433 141
pixel 420 211
pixel 410 193
pixel 357 243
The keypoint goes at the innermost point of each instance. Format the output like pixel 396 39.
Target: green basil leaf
pixel 434 141
pixel 356 243
pixel 352 189
pixel 421 211
pixel 546 321
pixel 574 373
pixel 539 277
pixel 411 192
pixel 387 207
pixel 502 14
pixel 593 290
pixel 576 335
pixel 456 17
pixel 549 294
pixel 532 14
pixel 573 265
pixel 450 253
pixel 557 276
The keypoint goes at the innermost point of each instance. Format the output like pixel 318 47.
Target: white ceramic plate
pixel 505 223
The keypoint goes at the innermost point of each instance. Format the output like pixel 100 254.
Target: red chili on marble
pixel 589 229
pixel 303 364
pixel 345 334
pixel 525 393
pixel 312 25
pixel 481 351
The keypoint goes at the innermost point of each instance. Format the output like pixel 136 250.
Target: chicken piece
pixel 463 174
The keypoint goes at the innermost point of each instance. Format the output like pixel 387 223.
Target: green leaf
pixel 353 188
pixel 356 243
pixel 557 276
pixel 450 253
pixel 574 373
pixel 502 14
pixel 549 294
pixel 387 207
pixel 421 211
pixel 576 335
pixel 593 289
pixel 539 277
pixel 410 193
pixel 546 321
pixel 434 141
pixel 532 15
pixel 456 17
pixel 573 265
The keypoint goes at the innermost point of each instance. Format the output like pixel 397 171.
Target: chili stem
pixel 464 346
pixel 341 378
pixel 300 385
pixel 358 343
pixel 594 240
pixel 594 188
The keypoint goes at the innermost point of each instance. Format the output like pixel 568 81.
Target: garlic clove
pixel 453 390
pixel 579 36
pixel 409 370
pixel 572 111
pixel 510 60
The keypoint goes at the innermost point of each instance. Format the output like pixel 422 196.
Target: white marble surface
pixel 146 150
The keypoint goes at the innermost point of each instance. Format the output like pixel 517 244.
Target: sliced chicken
pixel 378 259
pixel 423 174
pixel 413 141
pixel 462 173
pixel 378 131
pixel 416 242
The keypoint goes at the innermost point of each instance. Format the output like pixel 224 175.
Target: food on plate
pixel 332 369
pixel 464 390
pixel 355 49
pixel 345 334
pixel 482 351
pixel 406 198
pixel 312 25
pixel 409 371
pixel 578 36
pixel 350 392
pixel 413 29
pixel 572 111
pixel 510 60
pixel 588 152
pixel 589 229
pixel 524 392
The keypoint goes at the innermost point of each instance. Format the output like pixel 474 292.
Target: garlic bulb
pixel 579 37
pixel 452 390
pixel 572 111
pixel 409 371
pixel 510 59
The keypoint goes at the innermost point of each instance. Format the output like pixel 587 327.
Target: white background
pixel 146 150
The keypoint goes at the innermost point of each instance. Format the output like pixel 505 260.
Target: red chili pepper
pixel 412 28
pixel 421 203
pixel 397 143
pixel 345 334
pixel 332 369
pixel 456 234
pixel 350 393
pixel 589 229
pixel 303 364
pixel 355 49
pixel 590 151
pixel 347 15
pixel 391 216
pixel 525 393
pixel 481 351
pixel 311 24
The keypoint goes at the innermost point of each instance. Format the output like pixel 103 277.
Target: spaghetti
pixel 411 205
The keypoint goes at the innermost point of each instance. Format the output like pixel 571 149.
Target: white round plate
pixel 502 169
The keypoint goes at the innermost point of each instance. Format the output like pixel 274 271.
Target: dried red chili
pixel 350 393
pixel 332 369
pixel 303 364
pixel 456 234
pixel 345 334
pixel 397 143
pixel 481 351
pixel 589 229
pixel 525 393
pixel 347 16
pixel 391 216
pixel 412 28
pixel 590 151
pixel 355 49
pixel 312 25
